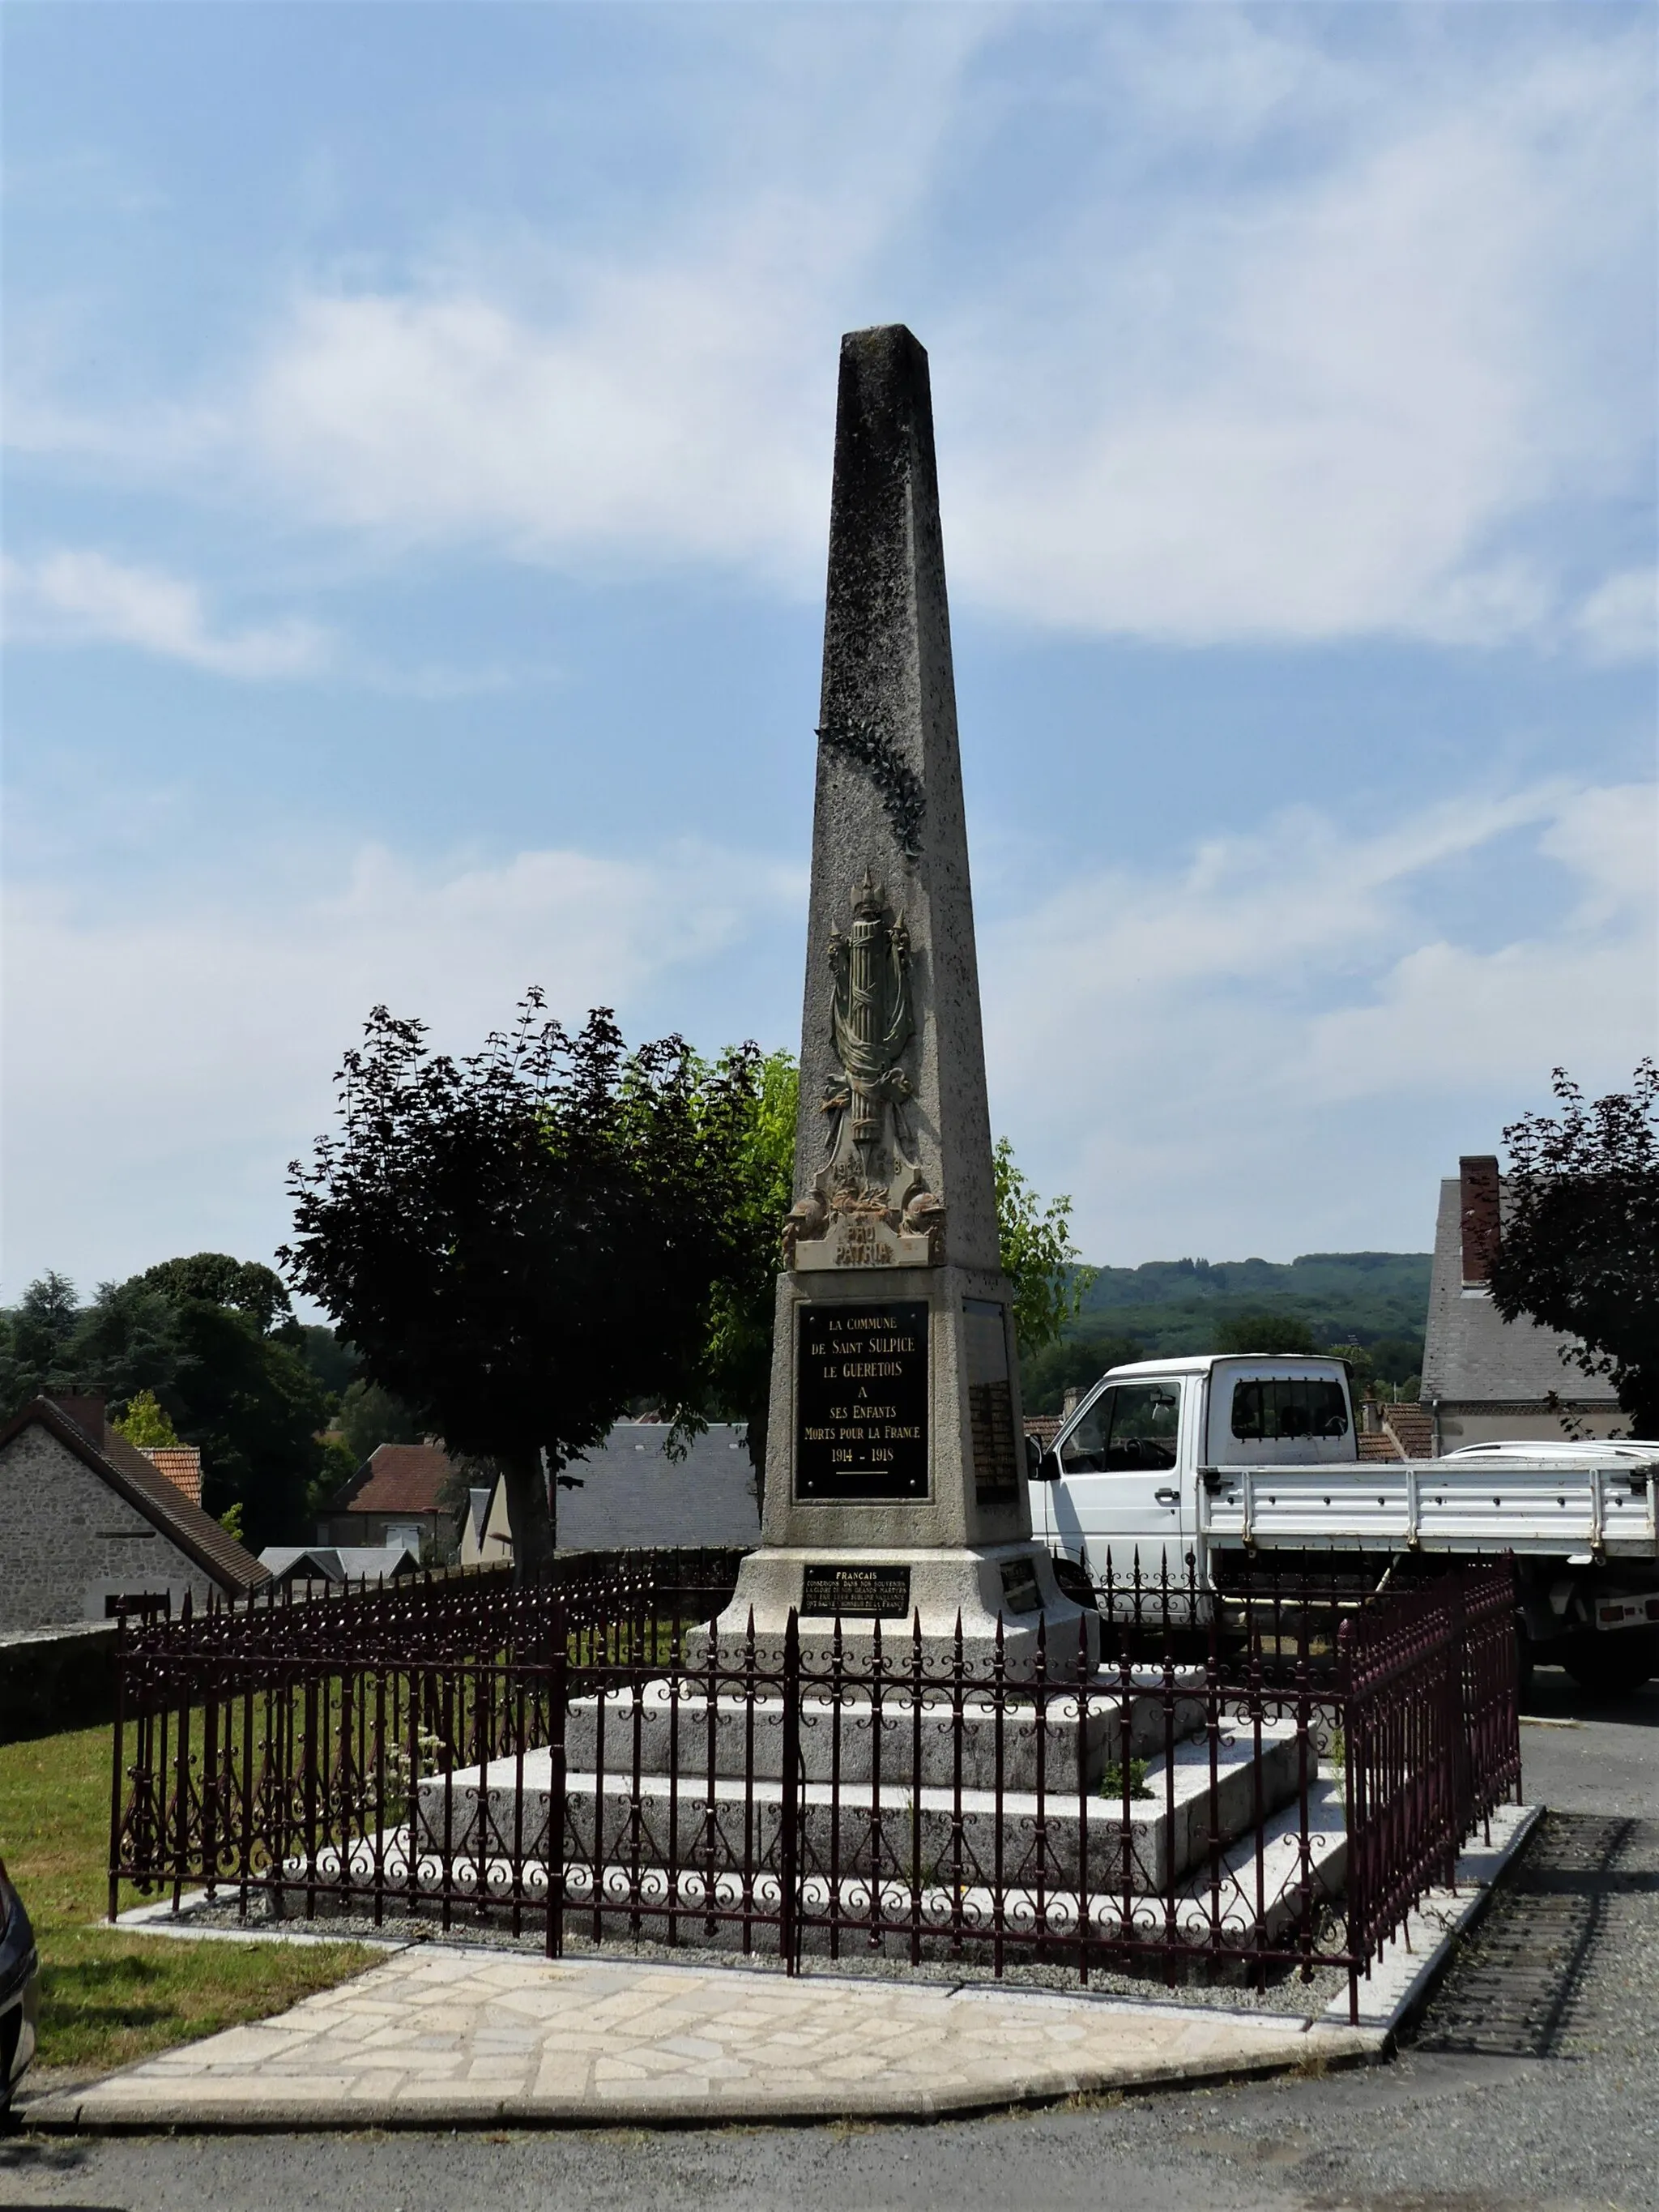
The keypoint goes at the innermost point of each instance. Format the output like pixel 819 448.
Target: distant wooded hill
pixel 1378 1300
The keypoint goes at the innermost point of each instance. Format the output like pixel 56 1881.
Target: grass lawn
pixel 108 1997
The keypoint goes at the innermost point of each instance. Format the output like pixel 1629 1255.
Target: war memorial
pixel 886 1731
pixel 895 1476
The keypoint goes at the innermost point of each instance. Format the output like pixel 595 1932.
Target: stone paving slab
pixel 441 2036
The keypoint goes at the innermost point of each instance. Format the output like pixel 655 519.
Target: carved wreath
pixel 900 788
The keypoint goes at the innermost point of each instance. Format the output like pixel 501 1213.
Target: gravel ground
pixel 1286 1991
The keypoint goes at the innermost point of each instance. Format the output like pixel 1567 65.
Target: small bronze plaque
pixel 872 1593
pixel 861 1399
pixel 1020 1593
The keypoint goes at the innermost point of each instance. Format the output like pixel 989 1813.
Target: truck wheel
pixel 1607 1666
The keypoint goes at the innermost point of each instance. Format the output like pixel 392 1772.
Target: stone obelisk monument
pixel 895 1475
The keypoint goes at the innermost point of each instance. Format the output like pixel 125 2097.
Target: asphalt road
pixel 1532 2082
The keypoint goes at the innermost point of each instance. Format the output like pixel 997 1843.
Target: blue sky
pixel 418 423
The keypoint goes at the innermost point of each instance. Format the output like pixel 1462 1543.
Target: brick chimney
pixel 85 1409
pixel 1477 1176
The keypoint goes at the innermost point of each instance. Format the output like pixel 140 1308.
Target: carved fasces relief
pixel 869 1205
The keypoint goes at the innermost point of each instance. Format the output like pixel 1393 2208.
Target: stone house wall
pixel 70 1542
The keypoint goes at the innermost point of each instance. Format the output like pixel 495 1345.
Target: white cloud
pixel 85 598
pixel 1620 620
pixel 169 1060
pixel 1314 409
pixel 1401 310
pixel 1266 1040
pixel 1277 1039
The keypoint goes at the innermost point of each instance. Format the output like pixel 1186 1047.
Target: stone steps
pixel 672 1723
pixel 1251 1895
pixel 867 1829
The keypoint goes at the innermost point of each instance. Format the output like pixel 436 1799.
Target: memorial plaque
pixel 861 1399
pixel 873 1593
pixel 990 1403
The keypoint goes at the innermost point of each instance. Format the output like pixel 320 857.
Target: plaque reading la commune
pixel 861 1399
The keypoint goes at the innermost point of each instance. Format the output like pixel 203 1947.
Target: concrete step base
pixel 1243 1897
pixel 869 1830
pixel 671 1723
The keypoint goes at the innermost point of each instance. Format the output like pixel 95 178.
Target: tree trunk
pixel 754 1429
pixel 526 1513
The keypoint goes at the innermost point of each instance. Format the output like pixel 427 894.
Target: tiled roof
pixel 1414 1425
pixel 128 1472
pixel 1407 1432
pixel 1045 1427
pixel 181 1464
pixel 1472 1356
pixel 397 1479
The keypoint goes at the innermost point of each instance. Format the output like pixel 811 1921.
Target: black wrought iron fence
pixel 591 1759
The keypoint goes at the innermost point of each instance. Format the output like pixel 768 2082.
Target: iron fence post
pixel 788 1800
pixel 558 1703
pixel 119 1660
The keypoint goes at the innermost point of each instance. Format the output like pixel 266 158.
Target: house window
pixel 407 1533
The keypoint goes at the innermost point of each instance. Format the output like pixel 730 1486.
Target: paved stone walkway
pixel 443 2037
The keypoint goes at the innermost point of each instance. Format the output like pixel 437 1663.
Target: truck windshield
pixel 1273 1409
pixel 1130 1427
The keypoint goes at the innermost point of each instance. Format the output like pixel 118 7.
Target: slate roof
pixel 181 1464
pixel 397 1479
pixel 336 1563
pixel 634 1493
pixel 1472 1355
pixel 128 1473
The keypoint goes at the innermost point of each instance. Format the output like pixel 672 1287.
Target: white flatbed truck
pixel 1229 1456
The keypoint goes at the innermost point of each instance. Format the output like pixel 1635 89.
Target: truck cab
pixel 1119 1477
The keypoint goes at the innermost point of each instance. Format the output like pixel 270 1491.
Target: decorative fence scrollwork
pixel 1256 1782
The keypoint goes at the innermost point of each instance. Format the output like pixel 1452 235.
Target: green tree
pixel 370 1416
pixel 243 1394
pixel 215 1279
pixel 1038 1257
pixel 330 1359
pixel 1579 1250
pixel 738 1368
pixel 1269 1334
pixel 145 1423
pixel 1072 1363
pixel 520 1242
pixel 36 1341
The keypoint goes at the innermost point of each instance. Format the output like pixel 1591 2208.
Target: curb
pixel 66 2113
pixel 1404 1975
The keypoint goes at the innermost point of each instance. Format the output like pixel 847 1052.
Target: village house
pixel 401 1494
pixel 94 1528
pixel 1486 1378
